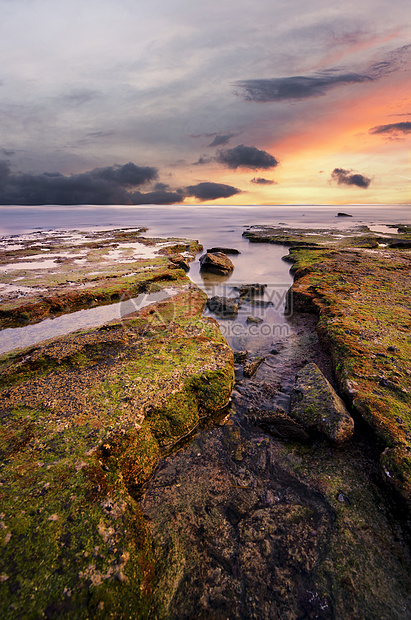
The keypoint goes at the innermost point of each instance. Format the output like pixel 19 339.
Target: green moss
pixel 84 420
pixel 364 305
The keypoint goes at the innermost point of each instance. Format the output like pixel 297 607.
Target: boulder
pixel 223 306
pixel 315 404
pixel 216 263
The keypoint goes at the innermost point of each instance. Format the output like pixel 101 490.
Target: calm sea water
pixel 197 221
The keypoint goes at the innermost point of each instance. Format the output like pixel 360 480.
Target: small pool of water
pixel 383 229
pixel 36 264
pixel 21 337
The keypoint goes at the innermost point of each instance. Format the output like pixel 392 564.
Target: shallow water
pixel 20 337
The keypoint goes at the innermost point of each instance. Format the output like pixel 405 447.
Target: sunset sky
pixel 170 101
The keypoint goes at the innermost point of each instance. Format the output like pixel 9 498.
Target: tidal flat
pixel 147 472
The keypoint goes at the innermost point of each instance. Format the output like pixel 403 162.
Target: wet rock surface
pixel 257 519
pixel 223 306
pixel 51 274
pixel 84 420
pixel 315 404
pixel 224 250
pixel 218 263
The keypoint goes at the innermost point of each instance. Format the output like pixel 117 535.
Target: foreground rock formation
pixel 359 284
pixel 260 516
pixel 84 420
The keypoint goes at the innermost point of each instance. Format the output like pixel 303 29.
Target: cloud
pixel 392 128
pixel 347 177
pixel 299 87
pixel 158 197
pixel 211 191
pixel 262 181
pixel 246 157
pixel 296 87
pixel 127 175
pixel 102 186
pixel 203 160
pixel 219 140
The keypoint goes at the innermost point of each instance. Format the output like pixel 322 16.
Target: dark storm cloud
pixel 108 185
pixel 347 177
pixel 262 181
pixel 296 87
pixel 220 140
pixel 211 191
pixel 392 128
pixel 127 175
pixel 158 197
pixel 246 157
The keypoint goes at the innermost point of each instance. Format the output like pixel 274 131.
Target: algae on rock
pixel 315 404
pixel 84 420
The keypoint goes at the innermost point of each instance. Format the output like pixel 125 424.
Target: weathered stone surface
pixel 363 299
pixel 84 420
pixel 216 263
pixel 281 425
pixel 315 404
pixel 240 356
pixel 100 277
pixel 251 366
pixel 180 262
pixel 223 306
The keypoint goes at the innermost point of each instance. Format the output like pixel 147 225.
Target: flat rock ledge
pixel 315 404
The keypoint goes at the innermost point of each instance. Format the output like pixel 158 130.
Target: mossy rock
pixel 362 297
pixel 315 404
pixel 84 420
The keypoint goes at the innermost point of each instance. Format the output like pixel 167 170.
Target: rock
pixel 341 214
pixel 240 356
pixel 250 290
pixel 179 262
pixel 251 366
pixel 216 263
pixel 223 306
pixel 315 404
pixel 254 319
pixel 224 250
pixel 279 424
pixel 79 439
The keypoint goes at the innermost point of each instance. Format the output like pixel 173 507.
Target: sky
pixel 170 101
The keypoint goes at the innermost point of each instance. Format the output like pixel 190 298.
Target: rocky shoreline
pixel 116 504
